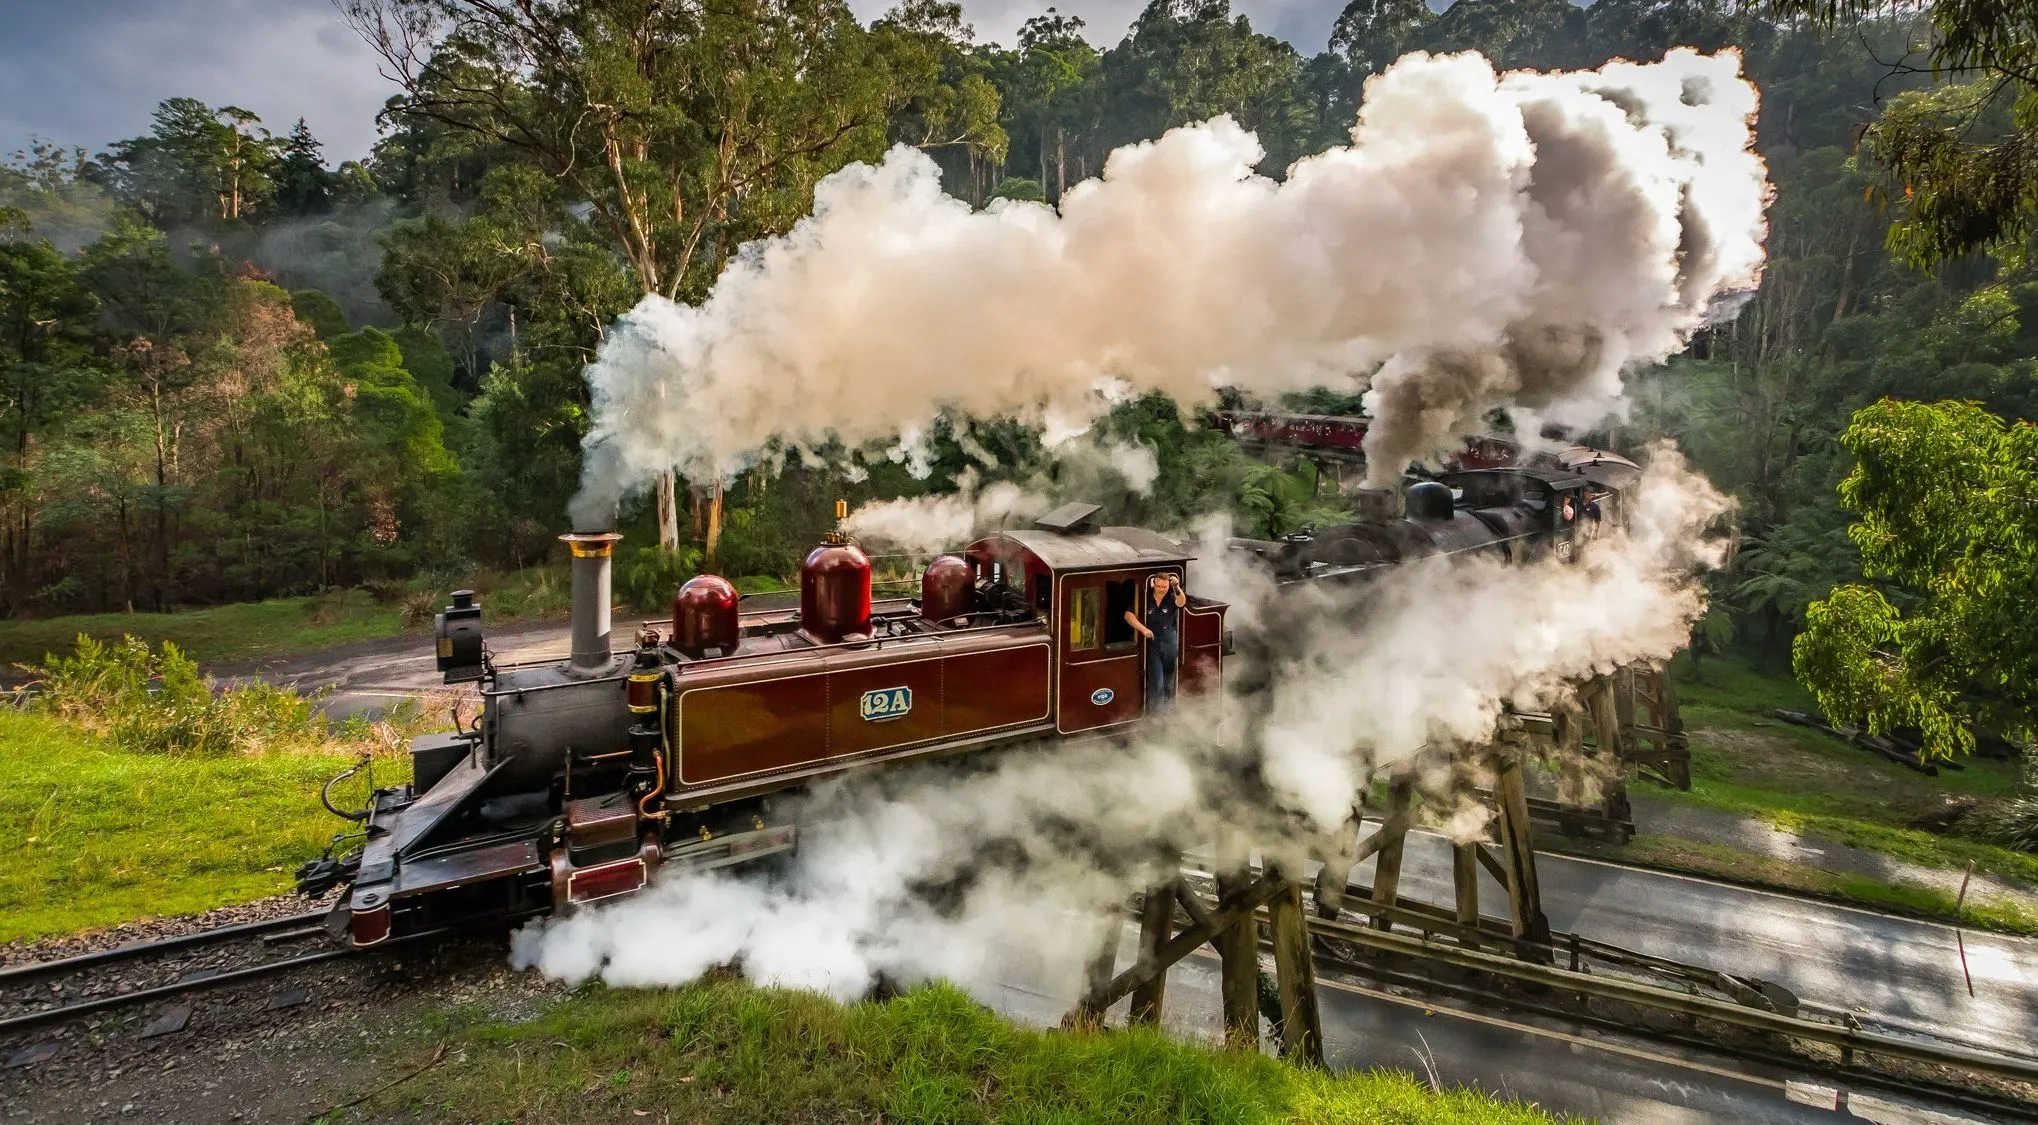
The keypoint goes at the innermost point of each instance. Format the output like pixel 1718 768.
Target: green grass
pixel 724 1051
pixel 96 836
pixel 248 630
pixel 1803 780
pixel 214 633
pixel 1732 865
pixel 1740 682
pixel 762 584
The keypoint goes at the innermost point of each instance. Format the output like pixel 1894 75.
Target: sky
pixel 89 72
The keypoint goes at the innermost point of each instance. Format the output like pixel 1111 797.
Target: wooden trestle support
pixel 1632 712
pixel 1379 934
pixel 1616 726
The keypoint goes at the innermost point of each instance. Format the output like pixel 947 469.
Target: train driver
pixel 1162 630
pixel 1590 511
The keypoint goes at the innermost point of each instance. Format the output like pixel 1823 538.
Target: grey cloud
pixel 90 72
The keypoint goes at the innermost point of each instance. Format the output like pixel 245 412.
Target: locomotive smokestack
pixel 591 592
pixel 1379 505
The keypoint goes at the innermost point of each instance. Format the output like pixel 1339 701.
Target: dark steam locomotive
pixel 579 780
pixel 1518 513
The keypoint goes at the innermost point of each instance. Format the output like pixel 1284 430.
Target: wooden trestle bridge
pixel 1621 725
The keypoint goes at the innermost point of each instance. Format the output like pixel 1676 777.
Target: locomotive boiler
pixel 581 778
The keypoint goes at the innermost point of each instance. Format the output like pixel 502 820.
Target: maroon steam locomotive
pixel 580 779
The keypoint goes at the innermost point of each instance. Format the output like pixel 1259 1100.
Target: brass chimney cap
pixel 591 544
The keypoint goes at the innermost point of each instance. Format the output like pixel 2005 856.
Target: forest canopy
pixel 232 369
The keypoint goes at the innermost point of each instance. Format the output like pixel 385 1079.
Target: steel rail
pixel 267 968
pixel 36 970
pixel 140 996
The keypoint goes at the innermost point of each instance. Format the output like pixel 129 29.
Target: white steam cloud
pixel 1485 240
pixel 1096 469
pixel 934 523
pixel 928 872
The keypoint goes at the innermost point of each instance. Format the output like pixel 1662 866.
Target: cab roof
pixel 1105 548
pixel 1599 466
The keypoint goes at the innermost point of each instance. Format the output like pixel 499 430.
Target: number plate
pixel 887 703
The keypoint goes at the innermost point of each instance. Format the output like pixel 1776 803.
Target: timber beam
pixel 1156 925
pixel 1295 977
pixel 1236 908
pixel 1392 835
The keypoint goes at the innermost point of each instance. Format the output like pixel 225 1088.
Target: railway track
pixel 34 995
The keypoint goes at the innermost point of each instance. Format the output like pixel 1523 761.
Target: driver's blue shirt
pixel 1165 616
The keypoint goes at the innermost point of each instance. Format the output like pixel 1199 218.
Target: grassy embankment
pixel 722 1050
pixel 122 816
pixel 227 634
pixel 1804 781
pixel 102 835
pixel 130 788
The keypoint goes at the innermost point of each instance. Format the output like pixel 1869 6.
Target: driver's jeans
pixel 1161 654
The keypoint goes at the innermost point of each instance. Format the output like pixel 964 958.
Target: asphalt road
pixel 1894 973
pixel 1898 972
pixel 370 675
pixel 1615 1082
pixel 1561 1067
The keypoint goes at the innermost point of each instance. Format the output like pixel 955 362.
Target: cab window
pixel 1083 613
pixel 1120 598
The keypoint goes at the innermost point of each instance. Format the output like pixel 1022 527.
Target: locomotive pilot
pixel 1162 630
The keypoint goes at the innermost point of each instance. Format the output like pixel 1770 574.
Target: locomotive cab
pixel 1082 581
pixel 1531 510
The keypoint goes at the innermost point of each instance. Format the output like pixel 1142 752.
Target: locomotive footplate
pixel 733 848
pixel 460 868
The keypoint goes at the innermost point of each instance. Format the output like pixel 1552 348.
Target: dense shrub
pixel 648 577
pixel 2013 822
pixel 155 701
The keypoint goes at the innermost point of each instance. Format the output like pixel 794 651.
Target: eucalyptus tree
pixel 48 323
pixel 196 163
pixel 684 128
pixel 1185 61
pixel 1050 93
pixel 1963 154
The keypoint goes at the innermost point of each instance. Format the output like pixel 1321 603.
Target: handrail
pixel 871 642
